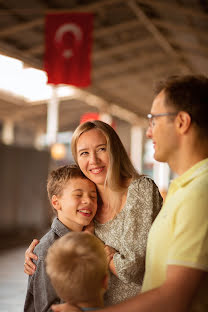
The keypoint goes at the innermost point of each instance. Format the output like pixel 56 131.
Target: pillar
pixel 161 176
pixel 107 118
pixel 8 132
pixel 137 147
pixel 52 118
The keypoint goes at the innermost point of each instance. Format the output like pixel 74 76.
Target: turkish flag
pixel 68 42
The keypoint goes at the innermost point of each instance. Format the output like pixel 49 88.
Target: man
pixel 176 277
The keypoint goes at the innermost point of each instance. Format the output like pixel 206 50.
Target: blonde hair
pixel 120 167
pixel 77 265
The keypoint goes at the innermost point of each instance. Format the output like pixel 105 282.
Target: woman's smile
pixel 92 155
pixel 97 170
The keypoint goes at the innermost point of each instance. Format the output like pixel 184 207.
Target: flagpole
pixel 52 117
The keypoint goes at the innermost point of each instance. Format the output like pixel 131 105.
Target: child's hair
pixel 58 178
pixel 77 266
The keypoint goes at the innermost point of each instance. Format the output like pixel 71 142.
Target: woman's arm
pixel 143 204
pixel 29 266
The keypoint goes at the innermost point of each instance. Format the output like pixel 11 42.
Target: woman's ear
pixel 183 122
pixel 55 202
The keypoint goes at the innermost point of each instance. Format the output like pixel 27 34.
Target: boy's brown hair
pixel 58 178
pixel 77 266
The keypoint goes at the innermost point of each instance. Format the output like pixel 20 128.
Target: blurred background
pixel 135 43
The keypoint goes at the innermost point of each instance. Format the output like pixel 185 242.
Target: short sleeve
pixel 144 203
pixel 189 246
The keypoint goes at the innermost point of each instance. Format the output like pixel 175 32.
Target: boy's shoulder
pixel 45 242
pixel 57 230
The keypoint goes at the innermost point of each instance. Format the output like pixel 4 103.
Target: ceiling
pixel 135 42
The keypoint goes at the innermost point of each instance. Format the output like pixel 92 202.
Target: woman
pixel 128 205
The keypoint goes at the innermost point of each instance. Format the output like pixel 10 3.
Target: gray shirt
pixel 127 233
pixel 40 293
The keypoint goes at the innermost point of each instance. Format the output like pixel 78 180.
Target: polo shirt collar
pixel 59 228
pixel 195 171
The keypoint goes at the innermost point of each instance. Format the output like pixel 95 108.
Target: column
pixel 8 132
pixel 52 118
pixel 38 140
pixel 107 118
pixel 161 176
pixel 137 147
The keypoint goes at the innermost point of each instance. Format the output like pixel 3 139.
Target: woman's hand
pixel 109 251
pixel 64 307
pixel 90 228
pixel 29 266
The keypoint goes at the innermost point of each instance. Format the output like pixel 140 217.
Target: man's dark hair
pixel 188 93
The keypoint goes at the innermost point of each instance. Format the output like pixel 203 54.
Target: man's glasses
pixel 151 117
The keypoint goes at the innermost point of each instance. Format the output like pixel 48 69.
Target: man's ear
pixel 183 122
pixel 55 202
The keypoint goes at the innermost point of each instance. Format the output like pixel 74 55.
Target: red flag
pixel 68 41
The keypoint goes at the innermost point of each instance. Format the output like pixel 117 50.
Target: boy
pixel 74 199
pixel 78 269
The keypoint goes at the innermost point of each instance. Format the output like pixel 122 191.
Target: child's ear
pixel 105 282
pixel 55 202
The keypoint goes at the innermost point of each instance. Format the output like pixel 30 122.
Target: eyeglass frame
pixel 151 116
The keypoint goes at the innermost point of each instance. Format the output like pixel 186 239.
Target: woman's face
pixel 92 155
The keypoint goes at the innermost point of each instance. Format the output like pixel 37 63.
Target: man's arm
pixel 175 294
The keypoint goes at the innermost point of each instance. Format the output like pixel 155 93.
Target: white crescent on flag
pixel 76 30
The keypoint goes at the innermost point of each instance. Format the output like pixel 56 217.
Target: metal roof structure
pixel 135 42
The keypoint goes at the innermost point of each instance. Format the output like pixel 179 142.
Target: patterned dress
pixel 127 233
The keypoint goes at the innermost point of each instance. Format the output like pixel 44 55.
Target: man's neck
pixel 187 159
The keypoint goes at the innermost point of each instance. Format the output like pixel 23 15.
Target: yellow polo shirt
pixel 179 235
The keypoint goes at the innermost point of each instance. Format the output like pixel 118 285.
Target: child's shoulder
pixel 45 242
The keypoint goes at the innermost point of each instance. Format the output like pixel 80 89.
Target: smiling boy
pixel 74 199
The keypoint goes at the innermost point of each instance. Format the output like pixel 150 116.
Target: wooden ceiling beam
pixel 110 30
pixel 159 37
pixel 103 31
pixel 174 8
pixel 40 21
pixel 93 7
pixel 192 46
pixel 8 97
pixel 122 48
pixel 178 27
pixel 139 76
pixel 15 53
pixel 128 64
pixel 20 27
